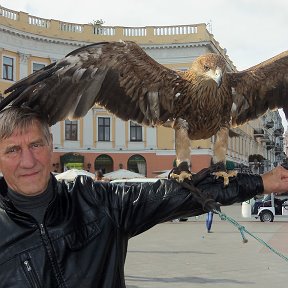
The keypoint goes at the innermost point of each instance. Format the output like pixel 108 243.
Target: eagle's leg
pixel 220 150
pixel 182 145
pixel 181 172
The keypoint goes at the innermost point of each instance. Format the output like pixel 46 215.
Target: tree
pixel 97 26
pixel 97 23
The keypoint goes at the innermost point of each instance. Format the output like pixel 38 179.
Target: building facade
pixel 101 140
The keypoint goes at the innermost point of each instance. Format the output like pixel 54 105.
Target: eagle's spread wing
pixel 119 76
pixel 259 88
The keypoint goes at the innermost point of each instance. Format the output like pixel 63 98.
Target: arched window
pixel 137 163
pixel 104 163
pixel 72 160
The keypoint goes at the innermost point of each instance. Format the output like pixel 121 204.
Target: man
pixel 52 237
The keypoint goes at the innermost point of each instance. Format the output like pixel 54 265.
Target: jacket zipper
pixel 31 275
pixel 42 230
pixel 51 255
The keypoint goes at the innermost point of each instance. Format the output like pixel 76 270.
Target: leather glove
pixel 202 174
pixel 204 178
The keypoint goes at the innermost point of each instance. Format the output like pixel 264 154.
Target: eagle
pixel 203 101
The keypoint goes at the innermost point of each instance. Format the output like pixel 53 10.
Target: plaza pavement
pixel 183 254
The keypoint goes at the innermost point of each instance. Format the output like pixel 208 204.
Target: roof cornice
pixel 31 36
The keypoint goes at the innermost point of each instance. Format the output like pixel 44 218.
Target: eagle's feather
pixel 121 77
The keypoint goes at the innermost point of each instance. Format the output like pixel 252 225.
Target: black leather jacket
pixel 83 240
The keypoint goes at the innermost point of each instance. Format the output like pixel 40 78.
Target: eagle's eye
pixel 206 68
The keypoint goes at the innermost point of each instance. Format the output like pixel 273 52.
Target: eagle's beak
pixel 217 77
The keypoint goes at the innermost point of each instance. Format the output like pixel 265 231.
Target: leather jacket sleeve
pixel 139 207
pixel 240 188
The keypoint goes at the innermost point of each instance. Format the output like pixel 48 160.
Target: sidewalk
pixel 183 254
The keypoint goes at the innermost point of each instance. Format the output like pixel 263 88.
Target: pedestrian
pixel 99 175
pixel 55 237
pixel 209 220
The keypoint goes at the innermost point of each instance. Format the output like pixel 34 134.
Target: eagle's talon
pixel 181 172
pixel 181 176
pixel 225 175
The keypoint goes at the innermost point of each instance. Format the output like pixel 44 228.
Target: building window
pixel 135 132
pixel 8 66
pixel 104 163
pixel 37 66
pixel 71 130
pixel 137 163
pixel 71 161
pixel 103 129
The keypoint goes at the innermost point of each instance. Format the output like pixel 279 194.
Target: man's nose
pixel 27 158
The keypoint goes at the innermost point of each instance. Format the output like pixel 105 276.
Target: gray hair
pixel 21 118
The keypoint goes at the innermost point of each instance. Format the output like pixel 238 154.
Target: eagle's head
pixel 209 66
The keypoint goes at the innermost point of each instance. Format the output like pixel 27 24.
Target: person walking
pixel 209 220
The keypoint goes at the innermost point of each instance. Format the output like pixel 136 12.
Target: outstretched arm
pixel 243 186
pixel 137 208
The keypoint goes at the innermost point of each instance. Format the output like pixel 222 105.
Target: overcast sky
pixel 250 30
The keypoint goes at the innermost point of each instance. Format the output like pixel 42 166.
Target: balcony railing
pixel 70 27
pixel 258 132
pixel 269 124
pixel 278 132
pixel 265 138
pixel 10 14
pixel 38 21
pixel 175 30
pixel 106 31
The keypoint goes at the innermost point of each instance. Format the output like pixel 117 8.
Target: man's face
pixel 25 160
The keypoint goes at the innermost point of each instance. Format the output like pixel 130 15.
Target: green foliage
pixel 256 157
pixel 97 23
